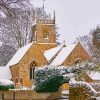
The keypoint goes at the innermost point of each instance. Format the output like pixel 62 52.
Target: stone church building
pixel 43 51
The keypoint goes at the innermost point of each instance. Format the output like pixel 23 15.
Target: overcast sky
pixel 73 17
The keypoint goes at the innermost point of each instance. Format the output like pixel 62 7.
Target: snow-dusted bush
pixel 51 84
pixel 50 78
pixel 81 70
pixel 84 84
pixel 51 75
pixel 84 66
pixel 6 84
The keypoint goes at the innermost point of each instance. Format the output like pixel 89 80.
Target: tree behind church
pixel 91 43
pixel 16 26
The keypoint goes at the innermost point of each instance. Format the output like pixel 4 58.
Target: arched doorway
pixel 32 69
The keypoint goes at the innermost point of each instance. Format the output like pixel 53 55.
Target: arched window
pixel 45 33
pixel 32 68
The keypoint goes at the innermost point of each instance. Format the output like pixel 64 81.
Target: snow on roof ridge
pixel 63 54
pixel 19 54
pixel 53 51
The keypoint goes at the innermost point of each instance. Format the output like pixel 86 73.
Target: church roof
pixel 19 54
pixel 5 73
pixel 54 56
pixel 51 52
pixel 22 51
pixel 62 54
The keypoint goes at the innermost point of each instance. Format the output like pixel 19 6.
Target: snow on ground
pixel 4 82
pixel 94 75
pixel 19 54
pixel 5 73
pixel 65 92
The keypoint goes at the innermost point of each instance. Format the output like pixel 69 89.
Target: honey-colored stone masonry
pixel 78 53
pixel 49 29
pixel 21 71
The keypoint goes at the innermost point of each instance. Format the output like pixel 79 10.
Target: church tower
pixel 45 31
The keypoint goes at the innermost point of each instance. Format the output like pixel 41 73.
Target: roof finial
pixel 64 44
pixel 54 17
pixel 43 9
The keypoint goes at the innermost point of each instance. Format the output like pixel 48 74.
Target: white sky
pixel 73 17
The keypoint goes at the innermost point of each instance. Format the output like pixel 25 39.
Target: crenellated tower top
pixel 46 21
pixel 44 29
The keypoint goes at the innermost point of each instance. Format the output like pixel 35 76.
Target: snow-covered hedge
pixel 45 76
pixel 50 78
pixel 6 84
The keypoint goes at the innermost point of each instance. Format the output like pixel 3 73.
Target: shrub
pixel 49 79
pixel 6 88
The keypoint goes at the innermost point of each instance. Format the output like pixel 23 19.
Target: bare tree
pixel 17 25
pixel 18 30
pixel 91 43
pixel 6 5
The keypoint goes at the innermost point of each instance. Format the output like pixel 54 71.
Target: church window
pixel 32 69
pixel 45 35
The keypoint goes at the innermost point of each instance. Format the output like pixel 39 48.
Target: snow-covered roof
pixel 62 55
pixel 51 52
pixel 94 75
pixel 5 73
pixel 19 54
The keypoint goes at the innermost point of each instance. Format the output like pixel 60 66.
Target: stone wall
pixel 79 93
pixel 50 28
pixel 22 69
pixel 29 95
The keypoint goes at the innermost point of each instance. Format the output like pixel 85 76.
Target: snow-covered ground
pixel 5 73
pixel 5 82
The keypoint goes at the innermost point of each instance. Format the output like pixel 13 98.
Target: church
pixel 43 51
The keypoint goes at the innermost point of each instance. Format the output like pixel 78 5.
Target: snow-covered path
pixel 65 95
